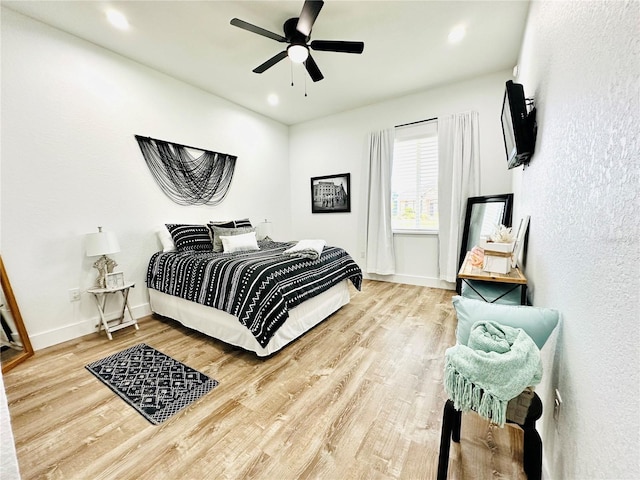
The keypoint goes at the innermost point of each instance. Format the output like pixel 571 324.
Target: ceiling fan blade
pixel 337 46
pixel 308 15
pixel 312 68
pixel 236 22
pixel 271 62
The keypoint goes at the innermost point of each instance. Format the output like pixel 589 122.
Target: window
pixel 414 178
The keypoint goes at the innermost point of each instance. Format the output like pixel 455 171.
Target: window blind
pixel 414 178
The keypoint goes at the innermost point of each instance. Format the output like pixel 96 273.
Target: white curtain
pixel 458 179
pixel 379 244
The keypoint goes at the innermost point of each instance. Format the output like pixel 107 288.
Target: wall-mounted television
pixel 518 125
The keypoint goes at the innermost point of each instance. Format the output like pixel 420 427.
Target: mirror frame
pixel 17 318
pixel 506 198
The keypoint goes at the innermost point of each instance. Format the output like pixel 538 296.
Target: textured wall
pixel 581 62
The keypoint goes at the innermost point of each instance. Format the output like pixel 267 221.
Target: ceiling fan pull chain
pixel 305 85
pixel 291 65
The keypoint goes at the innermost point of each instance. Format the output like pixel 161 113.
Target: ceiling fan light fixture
pixel 297 53
pixel 297 35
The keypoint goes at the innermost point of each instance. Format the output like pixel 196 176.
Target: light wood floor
pixel 358 397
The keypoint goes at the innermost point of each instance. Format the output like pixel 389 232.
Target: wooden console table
pixel 515 277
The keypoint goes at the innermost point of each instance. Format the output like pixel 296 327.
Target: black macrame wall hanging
pixel 185 178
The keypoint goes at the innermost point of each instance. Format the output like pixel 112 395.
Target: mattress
pixel 258 287
pixel 226 327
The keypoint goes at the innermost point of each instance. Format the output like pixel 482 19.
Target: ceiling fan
pixel 297 32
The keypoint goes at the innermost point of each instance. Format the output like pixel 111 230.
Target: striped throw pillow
pixel 190 237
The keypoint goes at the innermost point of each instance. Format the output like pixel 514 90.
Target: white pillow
pixel 244 242
pixel 165 239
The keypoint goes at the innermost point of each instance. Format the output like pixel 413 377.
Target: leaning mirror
pixel 16 346
pixel 481 217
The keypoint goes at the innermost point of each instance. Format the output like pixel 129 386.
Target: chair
pixel 532 446
pixel 523 410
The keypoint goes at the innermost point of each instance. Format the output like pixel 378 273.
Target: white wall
pixel 337 144
pixel 70 162
pixel 581 62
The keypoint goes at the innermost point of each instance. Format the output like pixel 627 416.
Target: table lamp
pixel 102 244
pixel 263 230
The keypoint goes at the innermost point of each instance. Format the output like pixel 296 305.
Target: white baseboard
pixel 413 280
pixel 78 329
pixel 75 330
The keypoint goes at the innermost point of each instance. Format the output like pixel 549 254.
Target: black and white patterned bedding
pixel 258 287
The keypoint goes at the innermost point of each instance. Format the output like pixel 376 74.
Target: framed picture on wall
pixel 331 193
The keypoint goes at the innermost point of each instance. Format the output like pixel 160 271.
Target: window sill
pixel 415 232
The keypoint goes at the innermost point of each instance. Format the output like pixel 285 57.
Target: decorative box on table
pixel 497 257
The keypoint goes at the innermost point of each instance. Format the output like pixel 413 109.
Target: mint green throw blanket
pixel 496 365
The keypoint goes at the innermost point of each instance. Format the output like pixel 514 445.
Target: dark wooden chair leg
pixel 532 446
pixel 448 428
pixel 457 424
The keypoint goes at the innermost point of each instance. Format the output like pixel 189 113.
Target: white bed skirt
pixel 226 327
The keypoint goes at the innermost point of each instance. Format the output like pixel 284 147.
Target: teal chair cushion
pixel 538 323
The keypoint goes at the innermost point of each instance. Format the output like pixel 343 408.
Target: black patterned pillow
pixel 243 222
pixel 225 224
pixel 190 237
pixel 217 231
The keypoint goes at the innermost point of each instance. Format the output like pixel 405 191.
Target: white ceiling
pixel 406 48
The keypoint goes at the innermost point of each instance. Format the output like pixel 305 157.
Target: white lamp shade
pixel 101 243
pixel 263 230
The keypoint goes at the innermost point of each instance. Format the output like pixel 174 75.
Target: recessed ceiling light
pixel 457 33
pixel 273 99
pixel 117 19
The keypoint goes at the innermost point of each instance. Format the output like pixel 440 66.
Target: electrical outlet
pixel 557 405
pixel 74 295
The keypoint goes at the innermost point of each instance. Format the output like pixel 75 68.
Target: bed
pixel 259 300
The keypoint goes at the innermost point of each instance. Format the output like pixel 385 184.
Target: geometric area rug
pixel 156 385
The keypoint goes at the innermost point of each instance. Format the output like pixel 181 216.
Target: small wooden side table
pixel 515 277
pixel 112 324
